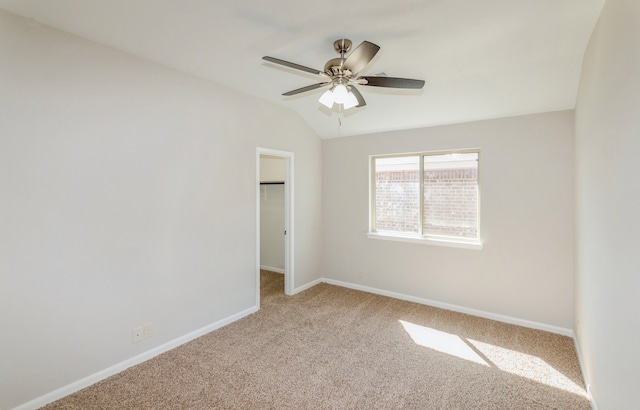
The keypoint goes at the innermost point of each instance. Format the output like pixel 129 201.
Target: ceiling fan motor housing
pixel 334 67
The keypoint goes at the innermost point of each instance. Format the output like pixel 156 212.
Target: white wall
pixel 272 210
pixel 127 196
pixel 525 269
pixel 608 200
pixel 272 169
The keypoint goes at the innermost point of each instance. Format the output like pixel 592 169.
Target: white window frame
pixel 439 240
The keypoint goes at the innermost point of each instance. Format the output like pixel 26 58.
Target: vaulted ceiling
pixel 480 59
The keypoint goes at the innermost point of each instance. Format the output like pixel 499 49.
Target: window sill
pixel 452 243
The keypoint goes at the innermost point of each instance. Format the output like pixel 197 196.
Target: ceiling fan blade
pixel 359 97
pixel 291 65
pixel 393 82
pixel 361 56
pixel 304 89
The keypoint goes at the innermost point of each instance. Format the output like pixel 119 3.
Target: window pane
pixel 451 195
pixel 397 193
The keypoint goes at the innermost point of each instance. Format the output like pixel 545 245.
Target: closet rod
pixel 272 183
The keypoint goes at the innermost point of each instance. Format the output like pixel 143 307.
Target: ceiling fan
pixel 341 74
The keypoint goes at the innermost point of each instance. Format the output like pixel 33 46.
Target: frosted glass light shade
pixel 339 93
pixel 326 99
pixel 350 101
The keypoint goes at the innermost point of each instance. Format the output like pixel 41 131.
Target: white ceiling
pixel 480 59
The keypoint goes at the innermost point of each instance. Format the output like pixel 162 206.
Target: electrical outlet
pixel 148 330
pixel 137 334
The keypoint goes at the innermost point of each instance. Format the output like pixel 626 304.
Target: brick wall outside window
pixel 450 201
pixel 397 201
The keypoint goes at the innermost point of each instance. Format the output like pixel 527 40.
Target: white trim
pixel 452 243
pixel 587 384
pixel 257 283
pixel 307 286
pixel 272 269
pixel 455 308
pixel 289 260
pixel 143 357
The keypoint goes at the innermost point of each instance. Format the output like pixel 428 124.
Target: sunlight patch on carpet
pixel 529 366
pixel 506 360
pixel 442 342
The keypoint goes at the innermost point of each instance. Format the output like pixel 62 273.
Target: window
pixel 430 197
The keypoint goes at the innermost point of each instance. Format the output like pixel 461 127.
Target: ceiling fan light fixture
pixel 326 99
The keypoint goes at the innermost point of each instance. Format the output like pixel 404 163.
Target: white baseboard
pixel 587 383
pixel 272 269
pixel 103 374
pixel 455 308
pixel 307 286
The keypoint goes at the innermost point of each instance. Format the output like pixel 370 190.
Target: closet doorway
pixel 274 242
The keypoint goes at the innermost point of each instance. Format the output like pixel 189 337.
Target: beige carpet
pixel 335 348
